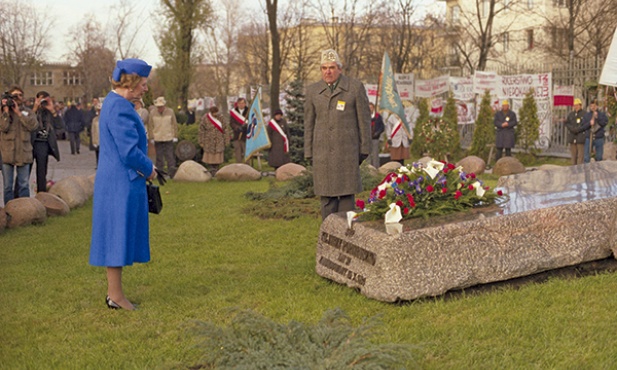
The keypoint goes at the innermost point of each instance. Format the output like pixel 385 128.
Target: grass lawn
pixel 211 258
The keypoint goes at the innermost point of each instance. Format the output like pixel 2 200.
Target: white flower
pixel 433 167
pixel 394 214
pixel 384 186
pixel 479 189
pixel 432 172
pixel 435 164
pixel 351 216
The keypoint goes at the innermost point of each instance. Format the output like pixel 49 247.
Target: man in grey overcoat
pixel 504 122
pixel 337 135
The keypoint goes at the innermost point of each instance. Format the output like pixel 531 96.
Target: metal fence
pixel 582 74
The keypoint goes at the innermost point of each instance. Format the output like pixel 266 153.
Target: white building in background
pixel 524 32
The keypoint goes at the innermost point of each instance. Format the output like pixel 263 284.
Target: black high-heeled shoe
pixel 111 304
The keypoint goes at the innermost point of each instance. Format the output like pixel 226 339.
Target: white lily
pixel 435 164
pixel 479 189
pixel 394 214
pixel 351 216
pixel 431 171
pixel 433 167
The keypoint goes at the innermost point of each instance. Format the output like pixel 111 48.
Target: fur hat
pixel 330 55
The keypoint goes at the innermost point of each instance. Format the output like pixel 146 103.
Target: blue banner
pixel 256 134
pixel 387 95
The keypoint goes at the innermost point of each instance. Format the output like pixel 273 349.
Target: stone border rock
pixel 66 194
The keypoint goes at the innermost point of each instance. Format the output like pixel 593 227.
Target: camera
pixel 44 102
pixel 9 99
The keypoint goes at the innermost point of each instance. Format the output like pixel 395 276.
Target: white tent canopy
pixel 609 71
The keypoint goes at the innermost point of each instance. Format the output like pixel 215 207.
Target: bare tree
pixel 253 52
pixel 347 29
pixel 24 40
pixel 472 31
pixel 125 30
pixel 93 57
pixel 220 50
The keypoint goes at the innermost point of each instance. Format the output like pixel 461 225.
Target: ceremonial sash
pixel 278 129
pixel 396 128
pixel 237 116
pixel 215 122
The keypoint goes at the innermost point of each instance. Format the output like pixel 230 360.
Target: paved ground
pixel 83 164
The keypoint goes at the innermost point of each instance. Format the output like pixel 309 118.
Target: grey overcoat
pixel 337 129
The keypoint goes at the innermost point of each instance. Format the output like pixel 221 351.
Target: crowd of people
pixel 30 130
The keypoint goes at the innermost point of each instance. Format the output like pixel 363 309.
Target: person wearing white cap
pixel 505 137
pixel 163 133
pixel 576 132
pixel 337 135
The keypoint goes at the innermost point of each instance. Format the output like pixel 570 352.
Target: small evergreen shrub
pixel 528 127
pixel 252 341
pixel 484 130
pixel 418 145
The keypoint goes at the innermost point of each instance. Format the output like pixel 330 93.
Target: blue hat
pixel 129 66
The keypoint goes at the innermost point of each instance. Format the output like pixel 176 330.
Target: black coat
pixel 48 123
pixel 377 126
pixel 74 119
pixel 576 131
pixel 505 137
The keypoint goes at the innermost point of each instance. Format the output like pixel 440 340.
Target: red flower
pixel 499 192
pixel 360 203
pixel 399 203
pixel 382 194
pixel 430 188
pixel 405 211
pixel 445 170
pixel 399 180
pixel 451 166
pixel 444 190
pixel 410 199
pixel 458 194
pixel 472 175
pixel 470 187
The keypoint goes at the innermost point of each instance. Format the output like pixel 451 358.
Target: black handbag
pixel 155 202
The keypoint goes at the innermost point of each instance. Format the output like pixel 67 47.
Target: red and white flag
pixel 563 95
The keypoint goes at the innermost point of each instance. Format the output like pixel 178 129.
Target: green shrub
pixel 418 145
pixel 252 341
pixel 528 127
pixel 484 130
pixel 190 133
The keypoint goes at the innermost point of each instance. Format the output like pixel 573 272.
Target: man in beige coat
pixel 162 131
pixel 16 124
pixel 337 135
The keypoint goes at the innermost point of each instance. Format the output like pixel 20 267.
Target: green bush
pixel 190 133
pixel 484 130
pixel 253 341
pixel 528 127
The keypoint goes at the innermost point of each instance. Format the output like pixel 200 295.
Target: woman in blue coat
pixel 120 230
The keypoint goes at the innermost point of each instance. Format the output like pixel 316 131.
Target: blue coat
pixel 120 230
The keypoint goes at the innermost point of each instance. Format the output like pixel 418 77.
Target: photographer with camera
pixel 44 137
pixel 16 124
